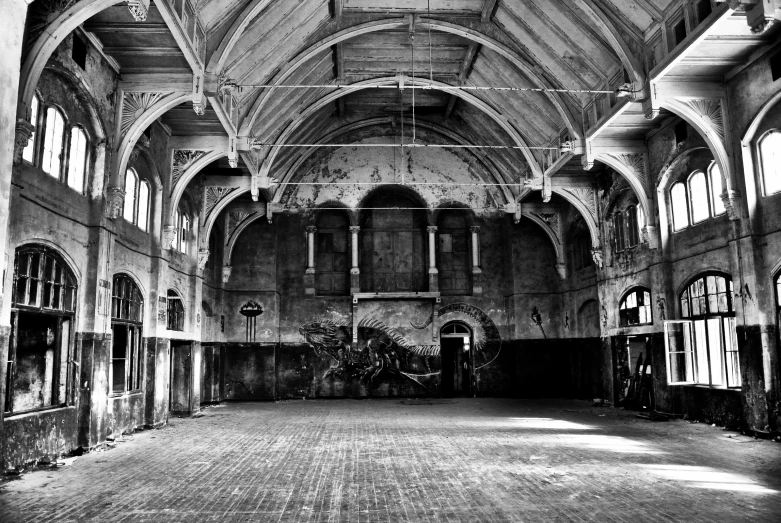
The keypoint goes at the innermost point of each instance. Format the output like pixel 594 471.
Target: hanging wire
pixel 430 66
pixel 257 145
pixel 432 87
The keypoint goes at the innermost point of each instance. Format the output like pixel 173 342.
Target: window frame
pixel 691 193
pixel 64 358
pixel 761 162
pixel 136 218
pixel 133 323
pixel 67 164
pixel 676 227
pixel 63 140
pixel 728 344
pixel 172 297
pixel 622 307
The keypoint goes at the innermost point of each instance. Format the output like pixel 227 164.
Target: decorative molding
pixel 587 196
pixel 553 220
pixel 635 162
pixel 139 9
pixel 133 106
pixel 183 158
pixel 598 257
pixel 203 258
pixel 115 199
pixel 236 218
pixel 213 196
pixel 710 111
pixel 24 131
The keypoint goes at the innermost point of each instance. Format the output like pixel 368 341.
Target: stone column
pixel 433 273
pixel 309 275
pixel 477 278
pixel 355 271
pixel 14 136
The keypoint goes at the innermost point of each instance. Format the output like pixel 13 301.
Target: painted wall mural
pixel 384 354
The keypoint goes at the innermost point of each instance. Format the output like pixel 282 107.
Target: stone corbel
pixel 226 273
pixel 169 236
pixel 598 256
pixel 731 201
pixel 203 258
pixel 139 9
pixel 199 98
pixel 562 270
pixel 115 198
pixel 24 131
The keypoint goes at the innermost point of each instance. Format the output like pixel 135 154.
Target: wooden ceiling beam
pixel 489 8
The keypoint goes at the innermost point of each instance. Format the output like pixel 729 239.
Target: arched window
pixel 183 232
pixel 635 308
pixel 619 231
pixel 680 205
pixel 632 230
pixel 698 197
pixel 716 188
pixel 77 159
pixel 626 228
pixel 143 205
pixel 175 311
pixel 131 185
pixel 29 151
pixel 53 142
pixel 704 350
pixel 770 161
pixel 332 270
pixel 453 256
pixel 40 371
pixel 127 315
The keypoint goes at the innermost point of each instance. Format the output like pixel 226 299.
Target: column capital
pixel 311 229
pixel 475 229
pixel 203 257
pixel 355 229
pixel 432 229
pixel 226 273
pixel 24 131
pixel 115 199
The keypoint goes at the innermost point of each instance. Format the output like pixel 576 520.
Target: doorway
pixel 457 360
pixel 181 376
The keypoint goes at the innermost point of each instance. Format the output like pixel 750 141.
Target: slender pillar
pixel 310 249
pixel 355 271
pixel 433 273
pixel 309 275
pixel 477 271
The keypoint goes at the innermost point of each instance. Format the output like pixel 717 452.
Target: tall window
pixel 77 160
pixel 627 228
pixel 182 231
pixel 127 314
pixel 40 371
pixel 698 199
pixel 703 348
pixel 332 272
pixel 453 261
pixel 175 311
pixel 53 142
pixel 770 161
pixel 635 308
pixel 137 194
pixel 29 151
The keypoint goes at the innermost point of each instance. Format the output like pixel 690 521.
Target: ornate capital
pixel 432 229
pixel 203 257
pixel 311 229
pixel 354 229
pixel 475 229
pixel 24 131
pixel 731 203
pixel 115 198
pixel 226 273
pixel 169 236
pixel 139 9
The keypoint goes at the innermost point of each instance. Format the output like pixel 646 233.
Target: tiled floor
pixel 384 460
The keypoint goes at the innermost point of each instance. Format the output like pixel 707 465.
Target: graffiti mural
pixel 383 354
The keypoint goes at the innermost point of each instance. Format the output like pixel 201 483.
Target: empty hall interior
pixel 390 260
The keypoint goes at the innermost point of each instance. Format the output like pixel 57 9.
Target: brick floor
pixel 383 460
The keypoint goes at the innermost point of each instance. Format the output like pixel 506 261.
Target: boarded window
pixel 453 254
pixel 332 267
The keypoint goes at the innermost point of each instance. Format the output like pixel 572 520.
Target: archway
pixel 458 365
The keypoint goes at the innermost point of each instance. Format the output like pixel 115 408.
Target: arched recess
pixel 715 142
pixel 48 41
pixel 423 24
pixel 358 86
pixel 333 135
pixel 749 154
pixel 206 229
pixel 228 252
pixel 588 215
pixel 634 180
pixel 133 133
pixel 181 184
pixel 666 179
pixel 561 261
